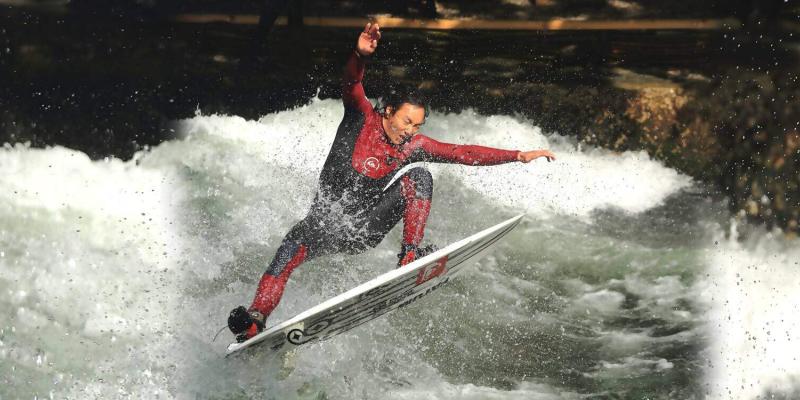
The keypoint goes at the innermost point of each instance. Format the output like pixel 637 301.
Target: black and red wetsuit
pixel 351 211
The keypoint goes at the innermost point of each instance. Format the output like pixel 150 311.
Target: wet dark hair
pixel 400 94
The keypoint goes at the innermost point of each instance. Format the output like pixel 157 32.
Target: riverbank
pixel 720 106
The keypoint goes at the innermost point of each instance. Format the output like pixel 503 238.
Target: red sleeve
pixel 427 149
pixel 353 94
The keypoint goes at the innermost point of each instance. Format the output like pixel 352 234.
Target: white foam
pixel 604 302
pixel 577 183
pixel 230 185
pixel 89 258
pixel 753 289
pixel 524 391
pixel 628 368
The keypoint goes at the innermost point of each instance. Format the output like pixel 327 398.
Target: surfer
pixel 357 202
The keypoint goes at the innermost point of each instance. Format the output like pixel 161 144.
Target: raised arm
pixel 353 94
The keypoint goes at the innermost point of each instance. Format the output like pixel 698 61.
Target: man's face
pixel 403 123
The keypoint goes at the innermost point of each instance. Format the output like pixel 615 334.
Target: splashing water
pixel 115 275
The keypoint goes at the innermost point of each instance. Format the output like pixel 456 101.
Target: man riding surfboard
pixel 351 211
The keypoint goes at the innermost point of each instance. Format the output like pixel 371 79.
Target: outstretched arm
pixel 432 150
pixel 353 94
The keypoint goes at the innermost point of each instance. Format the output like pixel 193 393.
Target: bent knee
pixel 421 181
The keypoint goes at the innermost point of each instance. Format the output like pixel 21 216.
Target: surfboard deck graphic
pixel 387 292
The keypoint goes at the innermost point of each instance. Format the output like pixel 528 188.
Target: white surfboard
pixel 390 291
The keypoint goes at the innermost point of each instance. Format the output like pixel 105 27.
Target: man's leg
pixel 306 240
pixel 295 248
pixel 417 190
pixel 408 198
pixel 289 256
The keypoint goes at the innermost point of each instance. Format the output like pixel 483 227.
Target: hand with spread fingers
pixel 368 40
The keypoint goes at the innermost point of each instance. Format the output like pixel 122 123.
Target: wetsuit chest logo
pixel 371 164
pixel 372 152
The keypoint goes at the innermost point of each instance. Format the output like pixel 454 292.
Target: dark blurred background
pixel 709 87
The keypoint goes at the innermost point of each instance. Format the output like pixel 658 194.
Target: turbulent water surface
pixel 620 282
